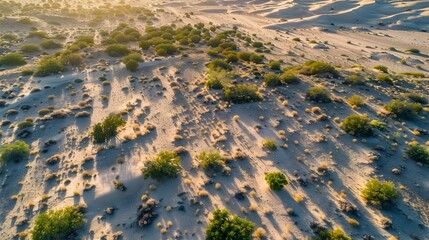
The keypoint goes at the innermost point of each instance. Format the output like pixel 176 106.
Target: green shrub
pixel 354 80
pixel 49 65
pixel 414 74
pixel 133 56
pixel 416 98
pixel 318 68
pixel 244 56
pixel 275 65
pixel 211 160
pixel 232 57
pixel 272 80
pixel 132 65
pixel 218 64
pixel 71 59
pixel 50 44
pixel 379 193
pixel 12 59
pixel 276 180
pixel 403 109
pixel 356 101
pixel 15 151
pixel 329 234
pixel 165 49
pixel 36 34
pixel 288 77
pixel 319 94
pixel 165 164
pixel 269 144
pixel 10 37
pixel 381 68
pixel 217 79
pixel 417 152
pixel 117 50
pixel 27 72
pixel 257 59
pixel 29 48
pixel 57 224
pixel 377 124
pixel 107 129
pixel 413 50
pixel 385 78
pixel 357 125
pixel 224 226
pixel 241 93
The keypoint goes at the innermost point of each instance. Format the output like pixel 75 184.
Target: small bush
pixel 218 64
pixel 384 78
pixel 107 129
pixel 403 109
pixel 242 93
pixel 49 65
pixel 319 94
pixel 318 68
pixel 132 65
pixel 165 164
pixel 414 74
pixel 276 180
pixel 379 193
pixel 413 50
pixel 272 80
pixel 381 68
pixel 165 49
pixel 211 160
pixel 29 48
pixel 12 59
pixel 133 56
pixel 377 125
pixel 257 44
pixel 225 226
pixel 15 151
pixel 329 234
pixel 217 79
pixel 269 144
pixel 356 101
pixel 416 98
pixel 275 65
pixel 57 224
pixel 354 80
pixel 417 152
pixel 36 34
pixel 357 125
pixel 117 50
pixel 71 59
pixel 288 77
pixel 50 44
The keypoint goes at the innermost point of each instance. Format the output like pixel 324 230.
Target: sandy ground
pixel 357 33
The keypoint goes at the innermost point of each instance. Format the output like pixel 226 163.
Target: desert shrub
pixel 319 94
pixel 276 180
pixel 377 124
pixel 272 80
pixel 71 59
pixel 416 98
pixel 165 49
pixel 242 93
pixel 379 192
pixel 27 72
pixel 10 37
pixel 36 34
pixel 218 64
pixel 354 80
pixel 232 57
pixel 133 56
pixel 318 68
pixel 332 234
pixel 357 125
pixel 269 144
pixel 132 65
pixel 49 65
pixel 164 164
pixel 117 50
pixel 29 48
pixel 50 44
pixel 211 160
pixel 57 224
pixel 413 74
pixel 384 78
pixel 413 50
pixel 257 44
pixel 288 77
pixel 217 79
pixel 417 152
pixel 255 58
pixel 275 65
pixel 356 101
pixel 25 21
pixel 12 59
pixel 108 128
pixel 381 68
pixel 244 56
pixel 15 151
pixel 225 226
pixel 403 109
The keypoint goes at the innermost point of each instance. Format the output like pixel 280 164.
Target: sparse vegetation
pixel 272 80
pixel 319 94
pixel 242 93
pixel 165 164
pixel 16 151
pixel 381 68
pixel 48 65
pixel 413 50
pixel 57 224
pixel 117 50
pixel 12 59
pixel 356 101
pixel 403 109
pixel 329 234
pixel 318 68
pixel 379 192
pixel 107 129
pixel 50 44
pixel 276 180
pixel 269 144
pixel 354 80
pixel 417 152
pixel 225 226
pixel 211 160
pixel 288 77
pixel 357 125
pixel 29 48
pixel 385 78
